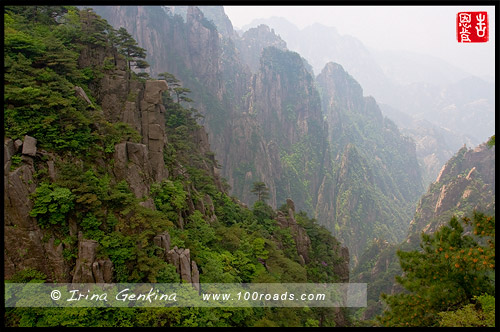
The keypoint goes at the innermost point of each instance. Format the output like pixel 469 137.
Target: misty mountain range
pixel 429 99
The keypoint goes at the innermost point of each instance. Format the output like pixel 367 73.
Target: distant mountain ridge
pixel 421 86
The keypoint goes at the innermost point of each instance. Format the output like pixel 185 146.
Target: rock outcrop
pixel 142 163
pixel 187 269
pixel 465 183
pixel 180 258
pixel 88 268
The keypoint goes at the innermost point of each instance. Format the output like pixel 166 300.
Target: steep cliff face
pixel 465 183
pixel 24 245
pixel 206 62
pixel 286 106
pixel 376 171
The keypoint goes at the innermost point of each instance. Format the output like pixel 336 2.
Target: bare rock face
pixel 8 152
pixel 185 265
pixel 299 234
pixel 173 258
pixel 86 257
pixel 181 259
pixel 163 241
pixel 18 144
pixel 466 182
pixel 29 146
pixel 131 164
pixel 102 271
pixel 195 275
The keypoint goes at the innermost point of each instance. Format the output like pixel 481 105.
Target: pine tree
pixel 127 46
pixel 175 87
pixel 260 190
pixel 449 270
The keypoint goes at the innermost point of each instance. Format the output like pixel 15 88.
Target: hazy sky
pixel 424 29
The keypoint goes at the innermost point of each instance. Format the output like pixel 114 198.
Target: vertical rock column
pixel 153 126
pixel 180 258
pixel 88 269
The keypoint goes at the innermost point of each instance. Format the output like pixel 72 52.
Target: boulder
pixel 29 146
pixel 18 144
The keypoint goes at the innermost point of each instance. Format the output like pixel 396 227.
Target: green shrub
pixel 52 204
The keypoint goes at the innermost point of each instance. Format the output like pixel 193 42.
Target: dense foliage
pixel 450 271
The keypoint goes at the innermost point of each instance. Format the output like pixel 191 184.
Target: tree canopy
pixel 453 266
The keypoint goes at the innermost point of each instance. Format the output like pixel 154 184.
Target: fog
pixel 423 29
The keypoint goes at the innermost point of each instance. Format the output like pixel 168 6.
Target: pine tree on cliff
pixel 260 190
pixel 175 86
pixel 127 46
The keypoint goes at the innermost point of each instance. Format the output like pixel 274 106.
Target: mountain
pixel 320 44
pixel 110 179
pixel 434 145
pixel 254 41
pixel 376 181
pixel 266 120
pixel 421 86
pixel 465 107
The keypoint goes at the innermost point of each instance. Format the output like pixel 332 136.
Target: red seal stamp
pixel 472 27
